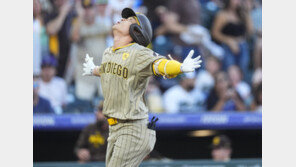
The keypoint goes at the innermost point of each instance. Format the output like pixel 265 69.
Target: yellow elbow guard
pixel 168 68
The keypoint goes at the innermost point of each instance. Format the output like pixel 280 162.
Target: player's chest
pixel 120 63
pixel 120 57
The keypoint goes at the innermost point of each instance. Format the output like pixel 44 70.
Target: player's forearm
pixel 165 67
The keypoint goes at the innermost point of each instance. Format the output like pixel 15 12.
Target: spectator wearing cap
pixel 40 104
pixel 58 24
pixel 223 97
pixel 183 97
pixel 221 148
pixel 52 87
pixel 102 17
pixel 116 6
pixel 89 37
pixel 92 142
pixel 101 11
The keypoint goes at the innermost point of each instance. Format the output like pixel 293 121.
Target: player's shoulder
pixel 108 50
pixel 144 51
pixel 140 48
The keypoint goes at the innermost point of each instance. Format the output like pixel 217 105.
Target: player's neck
pixel 120 41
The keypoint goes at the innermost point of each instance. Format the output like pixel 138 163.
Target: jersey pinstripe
pixel 125 75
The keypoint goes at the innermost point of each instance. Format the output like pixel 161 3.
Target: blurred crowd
pixel 226 33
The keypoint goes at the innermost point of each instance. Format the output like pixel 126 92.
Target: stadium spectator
pixel 40 104
pixel 89 37
pixel 47 6
pixel 209 10
pixel 101 12
pixel 183 97
pixel 115 7
pixel 257 77
pixel 58 24
pixel 154 97
pixel 52 87
pixel 205 78
pixel 257 102
pixel 168 33
pixel 236 80
pixel 223 97
pixel 175 20
pixel 231 27
pixel 256 15
pixel 221 148
pixel 92 142
pixel 40 45
pixel 103 18
pixel 193 35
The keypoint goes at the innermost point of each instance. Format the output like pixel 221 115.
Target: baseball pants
pixel 129 143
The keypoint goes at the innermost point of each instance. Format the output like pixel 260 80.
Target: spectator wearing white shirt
pixel 205 78
pixel 51 87
pixel 184 97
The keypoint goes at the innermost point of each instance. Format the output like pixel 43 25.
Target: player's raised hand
pixel 190 64
pixel 88 66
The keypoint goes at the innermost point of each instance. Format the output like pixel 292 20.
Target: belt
pixel 114 121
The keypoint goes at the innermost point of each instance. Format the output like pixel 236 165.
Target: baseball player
pixel 125 71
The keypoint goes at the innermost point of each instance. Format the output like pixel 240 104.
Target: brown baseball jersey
pixel 125 73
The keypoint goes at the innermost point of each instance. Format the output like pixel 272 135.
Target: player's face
pixel 124 25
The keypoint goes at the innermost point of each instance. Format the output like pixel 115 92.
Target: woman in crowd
pixel 231 28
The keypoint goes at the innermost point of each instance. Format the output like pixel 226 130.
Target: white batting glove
pixel 189 64
pixel 88 66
